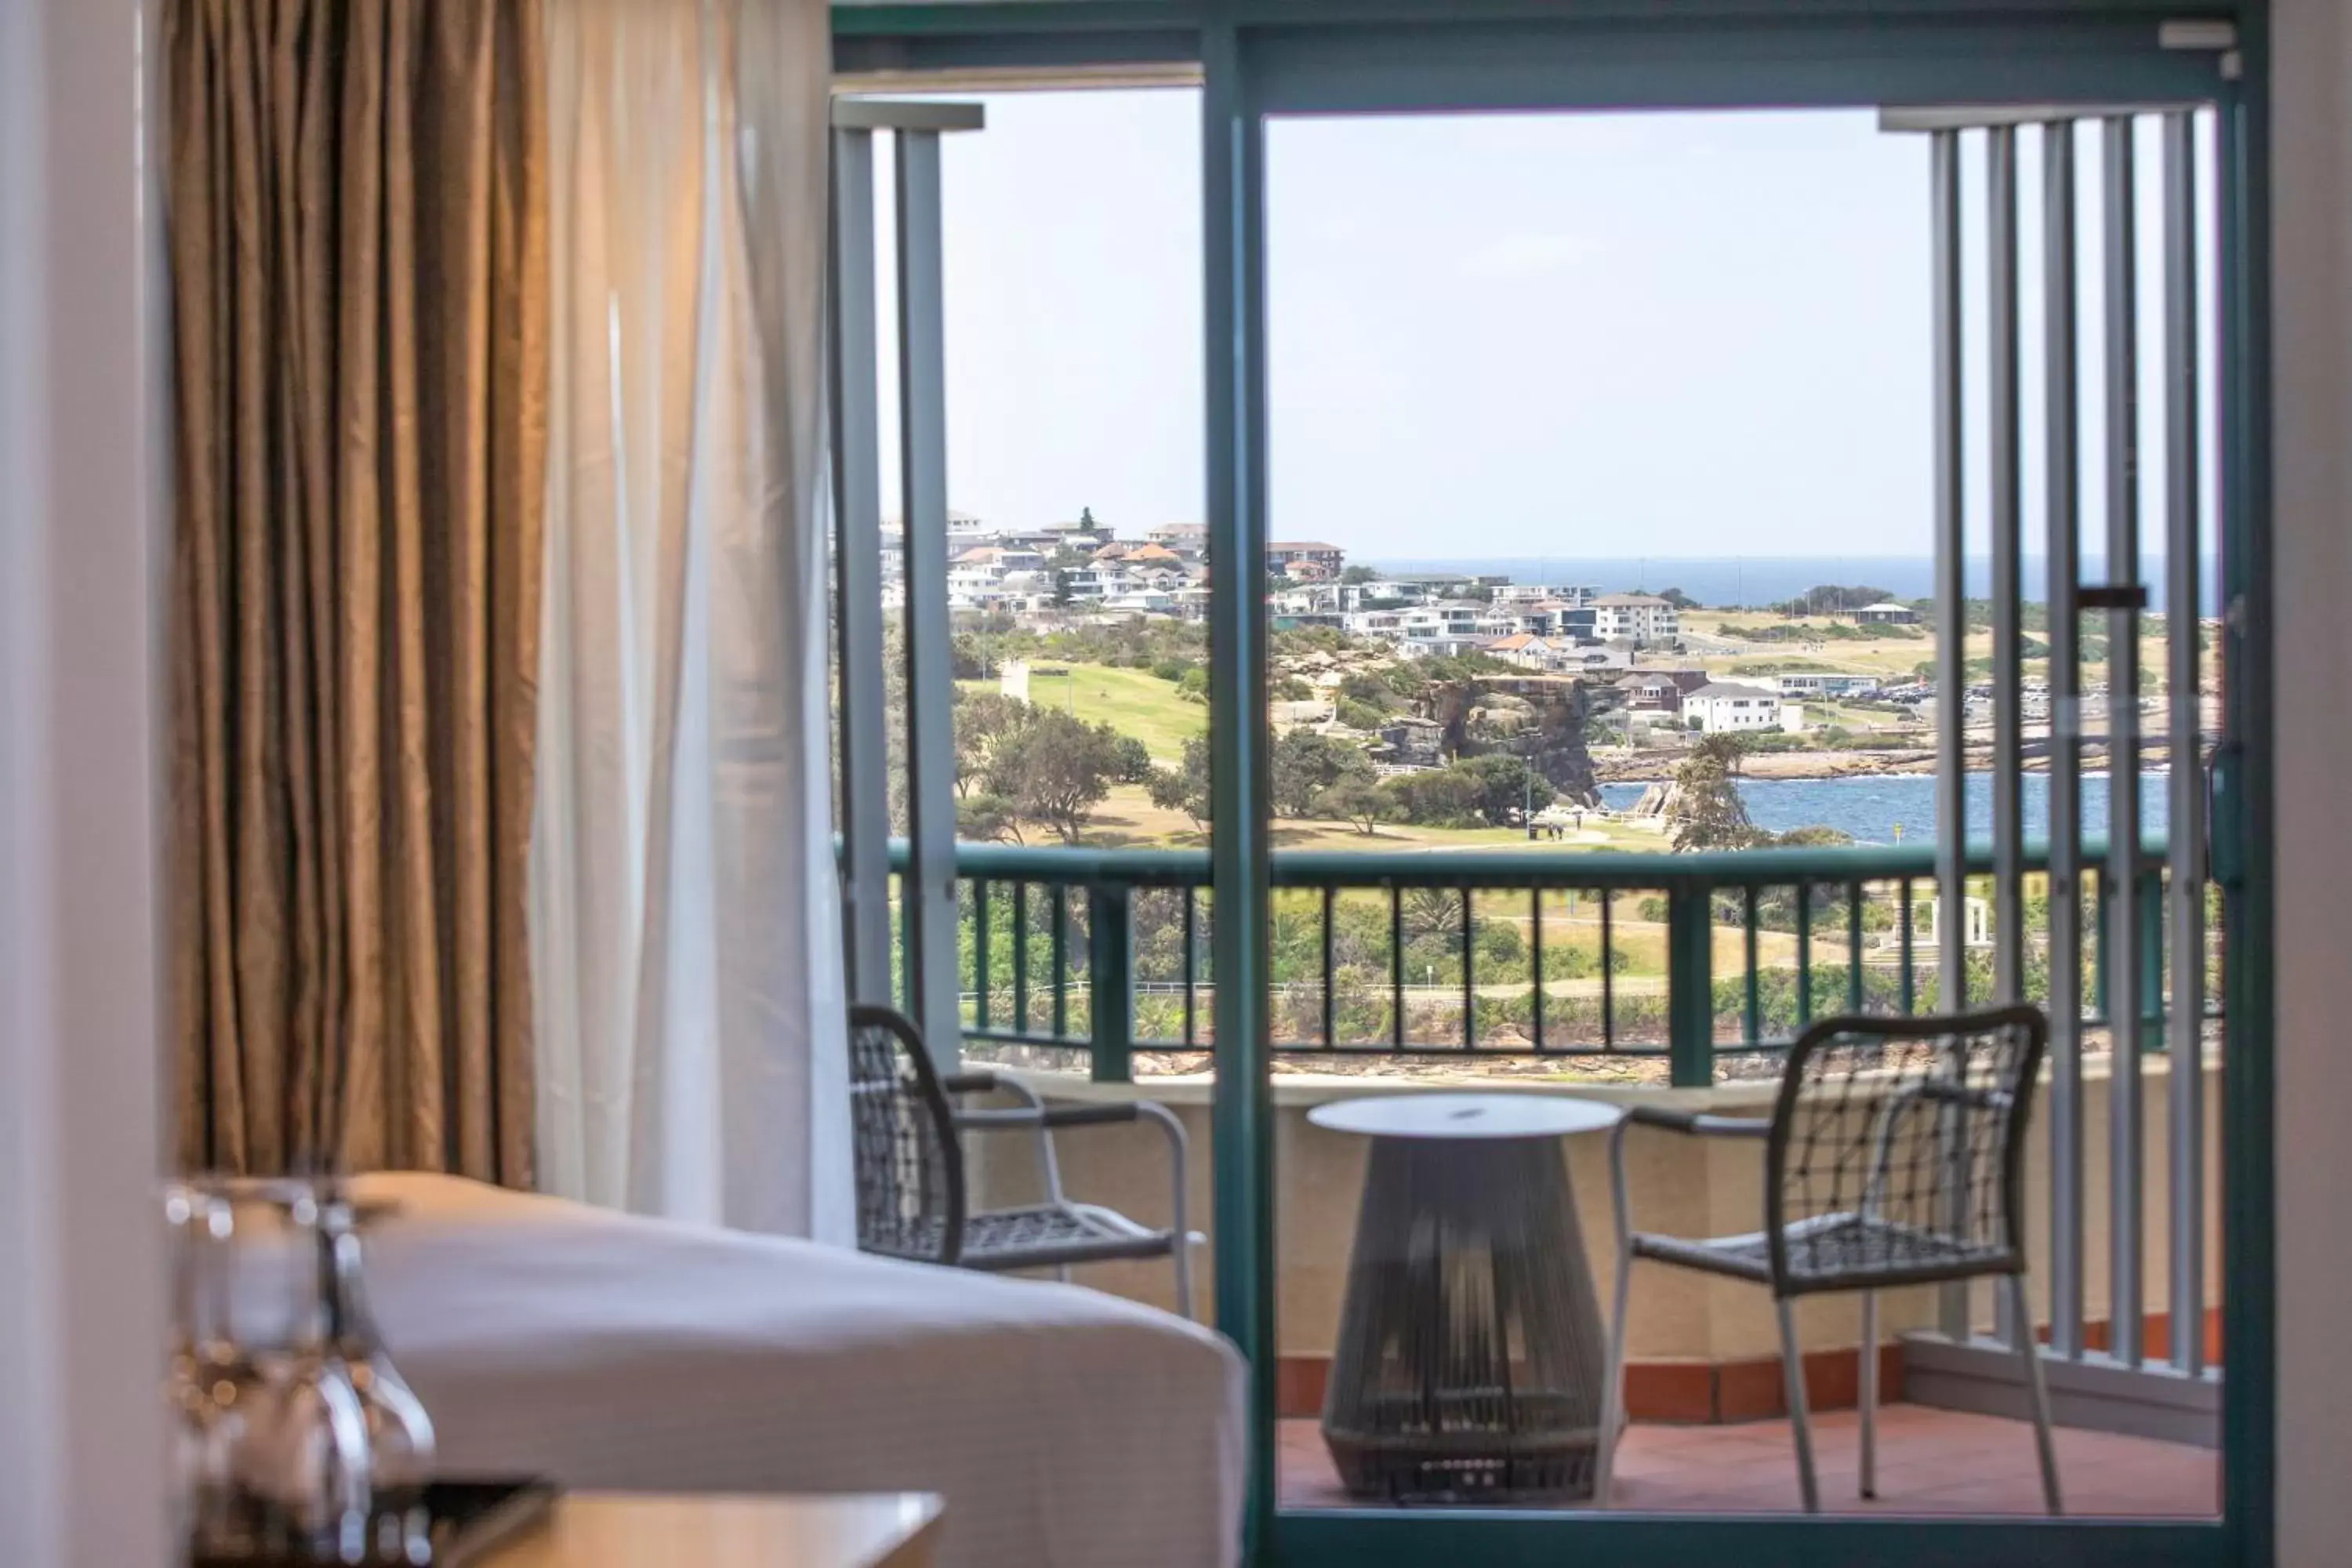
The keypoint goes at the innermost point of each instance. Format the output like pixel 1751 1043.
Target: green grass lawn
pixel 1128 819
pixel 1133 701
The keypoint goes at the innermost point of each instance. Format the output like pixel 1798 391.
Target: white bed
pixel 1064 1428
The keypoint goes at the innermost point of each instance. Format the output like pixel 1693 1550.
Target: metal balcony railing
pixel 1699 959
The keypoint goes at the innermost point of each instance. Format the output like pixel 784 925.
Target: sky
pixel 1697 334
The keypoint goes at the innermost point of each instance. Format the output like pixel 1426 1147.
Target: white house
pixel 1823 683
pixel 975 573
pixel 1453 619
pixel 1720 707
pixel 1544 594
pixel 1886 612
pixel 1527 651
pixel 1639 617
pixel 1189 539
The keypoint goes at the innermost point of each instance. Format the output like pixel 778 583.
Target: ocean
pixel 1723 580
pixel 1891 807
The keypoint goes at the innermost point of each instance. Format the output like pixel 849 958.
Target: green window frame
pixel 1261 58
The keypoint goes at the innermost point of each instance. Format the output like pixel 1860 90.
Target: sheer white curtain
pixel 685 939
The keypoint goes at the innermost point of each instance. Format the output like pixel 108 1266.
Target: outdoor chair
pixel 907 1130
pixel 1893 1155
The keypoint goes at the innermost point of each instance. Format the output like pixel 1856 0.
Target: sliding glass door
pixel 1743 541
pixel 1701 529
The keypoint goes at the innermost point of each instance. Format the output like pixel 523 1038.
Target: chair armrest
pixel 1049 1115
pixel 969 1083
pixel 1698 1123
pixel 1092 1115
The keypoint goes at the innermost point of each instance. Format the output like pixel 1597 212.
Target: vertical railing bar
pixel 1690 983
pixel 1755 1019
pixel 1110 981
pixel 2008 594
pixel 1608 974
pixel 1951 656
pixel 1020 957
pixel 1853 994
pixel 1396 965
pixel 1910 995
pixel 2063 573
pixel 2184 831
pixel 1536 963
pixel 2120 907
pixel 1469 977
pixel 1331 1006
pixel 1061 938
pixel 980 891
pixel 2007 583
pixel 1804 955
pixel 1189 894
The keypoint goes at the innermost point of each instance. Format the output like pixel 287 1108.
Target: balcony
pixel 1664 979
pixel 1673 979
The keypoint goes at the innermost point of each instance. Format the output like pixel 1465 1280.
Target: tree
pixel 1723 750
pixel 1055 769
pixel 967 657
pixel 1680 600
pixel 1356 576
pixel 1505 788
pixel 1132 760
pixel 1709 813
pixel 1832 599
pixel 989 818
pixel 1431 917
pixel 1061 589
pixel 981 718
pixel 1437 797
pixel 1305 764
pixel 1359 801
pixel 1087 519
pixel 1185 787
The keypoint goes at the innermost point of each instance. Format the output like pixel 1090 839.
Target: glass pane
pixel 1073 566
pixel 1605 552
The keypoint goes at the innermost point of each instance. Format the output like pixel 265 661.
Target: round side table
pixel 1471 1349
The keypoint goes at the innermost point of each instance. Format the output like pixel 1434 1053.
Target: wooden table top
pixel 608 1529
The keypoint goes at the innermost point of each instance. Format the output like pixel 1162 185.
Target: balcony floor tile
pixel 1929 1462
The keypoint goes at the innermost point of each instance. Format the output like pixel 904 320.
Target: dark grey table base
pixel 1471 1354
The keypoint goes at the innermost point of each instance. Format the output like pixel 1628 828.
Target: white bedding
pixel 1063 1426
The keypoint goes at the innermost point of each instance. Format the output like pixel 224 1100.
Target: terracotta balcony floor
pixel 1929 1462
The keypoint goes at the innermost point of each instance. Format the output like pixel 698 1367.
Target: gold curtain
pixel 357 204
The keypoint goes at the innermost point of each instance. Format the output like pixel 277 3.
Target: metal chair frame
pixel 1082 1232
pixel 1732 1257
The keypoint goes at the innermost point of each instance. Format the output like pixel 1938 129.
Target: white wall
pixel 2311 198
pixel 80 1325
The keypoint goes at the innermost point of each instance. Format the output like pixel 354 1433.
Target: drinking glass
pixel 399 1433
pixel 226 1392
pixel 307 1463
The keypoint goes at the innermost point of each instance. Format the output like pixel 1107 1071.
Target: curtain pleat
pixel 356 192
pixel 693 1052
